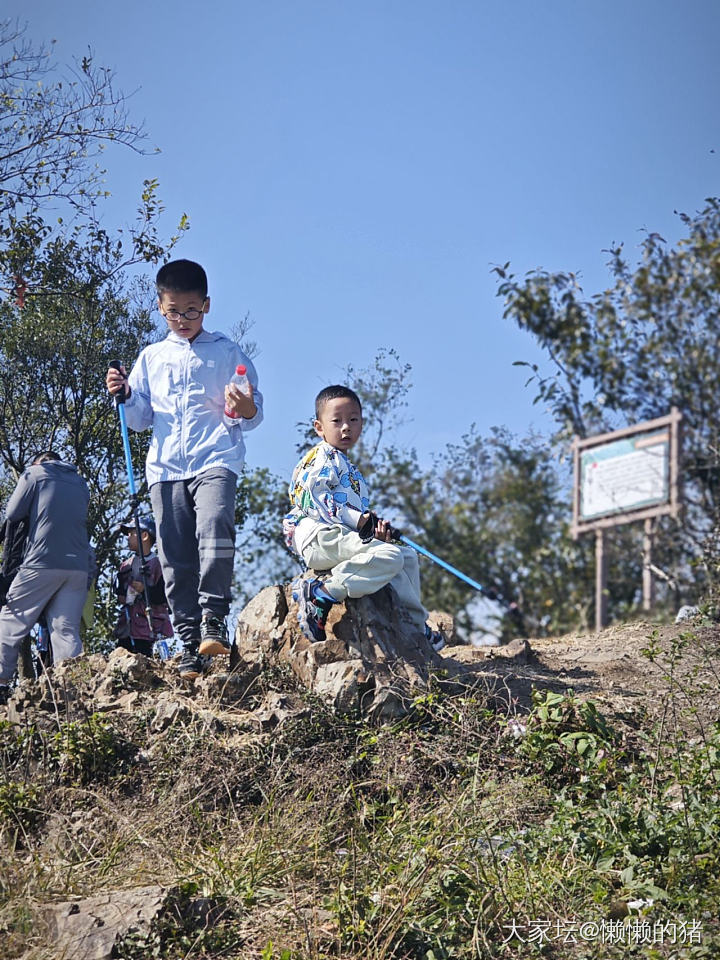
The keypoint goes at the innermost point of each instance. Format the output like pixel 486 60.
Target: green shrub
pixel 19 810
pixel 568 739
pixel 88 750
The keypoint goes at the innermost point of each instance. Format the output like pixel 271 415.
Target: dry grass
pixel 329 838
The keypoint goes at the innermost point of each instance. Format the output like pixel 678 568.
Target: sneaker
pixel 434 638
pixel 213 636
pixel 311 611
pixel 190 666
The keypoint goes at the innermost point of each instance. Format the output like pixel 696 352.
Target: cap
pixel 146 523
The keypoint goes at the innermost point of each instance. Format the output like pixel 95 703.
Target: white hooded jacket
pixel 178 389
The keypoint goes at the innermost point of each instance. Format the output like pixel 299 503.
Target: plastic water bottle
pixel 43 639
pixel 163 649
pixel 239 378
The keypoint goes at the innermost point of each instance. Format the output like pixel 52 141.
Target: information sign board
pixel 626 475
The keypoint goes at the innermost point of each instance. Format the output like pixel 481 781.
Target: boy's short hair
pixel 182 276
pixel 46 456
pixel 334 392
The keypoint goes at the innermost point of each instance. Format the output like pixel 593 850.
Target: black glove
pixel 366 526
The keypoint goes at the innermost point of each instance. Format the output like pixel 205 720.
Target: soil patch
pixel 614 668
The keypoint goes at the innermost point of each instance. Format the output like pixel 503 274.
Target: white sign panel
pixel 625 475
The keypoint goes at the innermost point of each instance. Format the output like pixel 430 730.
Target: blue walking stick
pixel 441 563
pixel 119 399
pixel 512 609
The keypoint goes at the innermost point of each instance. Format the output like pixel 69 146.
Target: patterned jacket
pixel 326 488
pixel 132 621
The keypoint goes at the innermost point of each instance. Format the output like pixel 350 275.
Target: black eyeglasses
pixel 191 314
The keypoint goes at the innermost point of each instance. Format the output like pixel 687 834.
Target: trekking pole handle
pixel 118 397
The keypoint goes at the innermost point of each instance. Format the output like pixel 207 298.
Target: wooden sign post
pixel 620 477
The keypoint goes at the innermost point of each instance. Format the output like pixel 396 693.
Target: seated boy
pixel 132 630
pixel 332 528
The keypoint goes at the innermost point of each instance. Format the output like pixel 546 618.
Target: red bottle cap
pixel 241 369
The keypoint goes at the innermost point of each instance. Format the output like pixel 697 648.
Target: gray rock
pixel 168 709
pixel 132 668
pixel 518 650
pixel 223 688
pixel 278 707
pixel 89 929
pixel 371 662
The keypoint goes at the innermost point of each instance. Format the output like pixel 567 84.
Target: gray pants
pixel 61 595
pixel 196 543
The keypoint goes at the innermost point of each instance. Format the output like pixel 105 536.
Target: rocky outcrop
pixel 370 663
pixel 89 929
pixel 125 683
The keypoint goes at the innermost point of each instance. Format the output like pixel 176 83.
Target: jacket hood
pixel 52 467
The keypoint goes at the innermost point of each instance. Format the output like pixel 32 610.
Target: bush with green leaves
pixel 88 750
pixel 630 353
pixel 568 739
pixel 19 810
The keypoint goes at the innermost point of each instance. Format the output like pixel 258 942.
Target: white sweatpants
pixel 357 568
pixel 61 594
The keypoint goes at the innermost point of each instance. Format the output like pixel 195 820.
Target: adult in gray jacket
pixel 53 576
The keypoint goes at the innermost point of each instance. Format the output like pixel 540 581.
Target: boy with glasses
pixel 181 388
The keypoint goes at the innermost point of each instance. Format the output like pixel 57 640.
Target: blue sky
pixel 353 170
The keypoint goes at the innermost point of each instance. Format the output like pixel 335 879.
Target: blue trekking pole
pixel 119 399
pixel 512 609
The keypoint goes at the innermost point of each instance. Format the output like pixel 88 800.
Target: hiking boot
pixel 434 638
pixel 190 666
pixel 311 611
pixel 213 636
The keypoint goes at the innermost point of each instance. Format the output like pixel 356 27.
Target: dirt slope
pixel 614 668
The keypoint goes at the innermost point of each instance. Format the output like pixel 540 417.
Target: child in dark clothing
pixel 132 629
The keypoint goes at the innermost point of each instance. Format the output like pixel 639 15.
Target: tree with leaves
pixel 649 342
pixel 83 309
pixel 54 126
pixel 71 299
pixel 495 508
